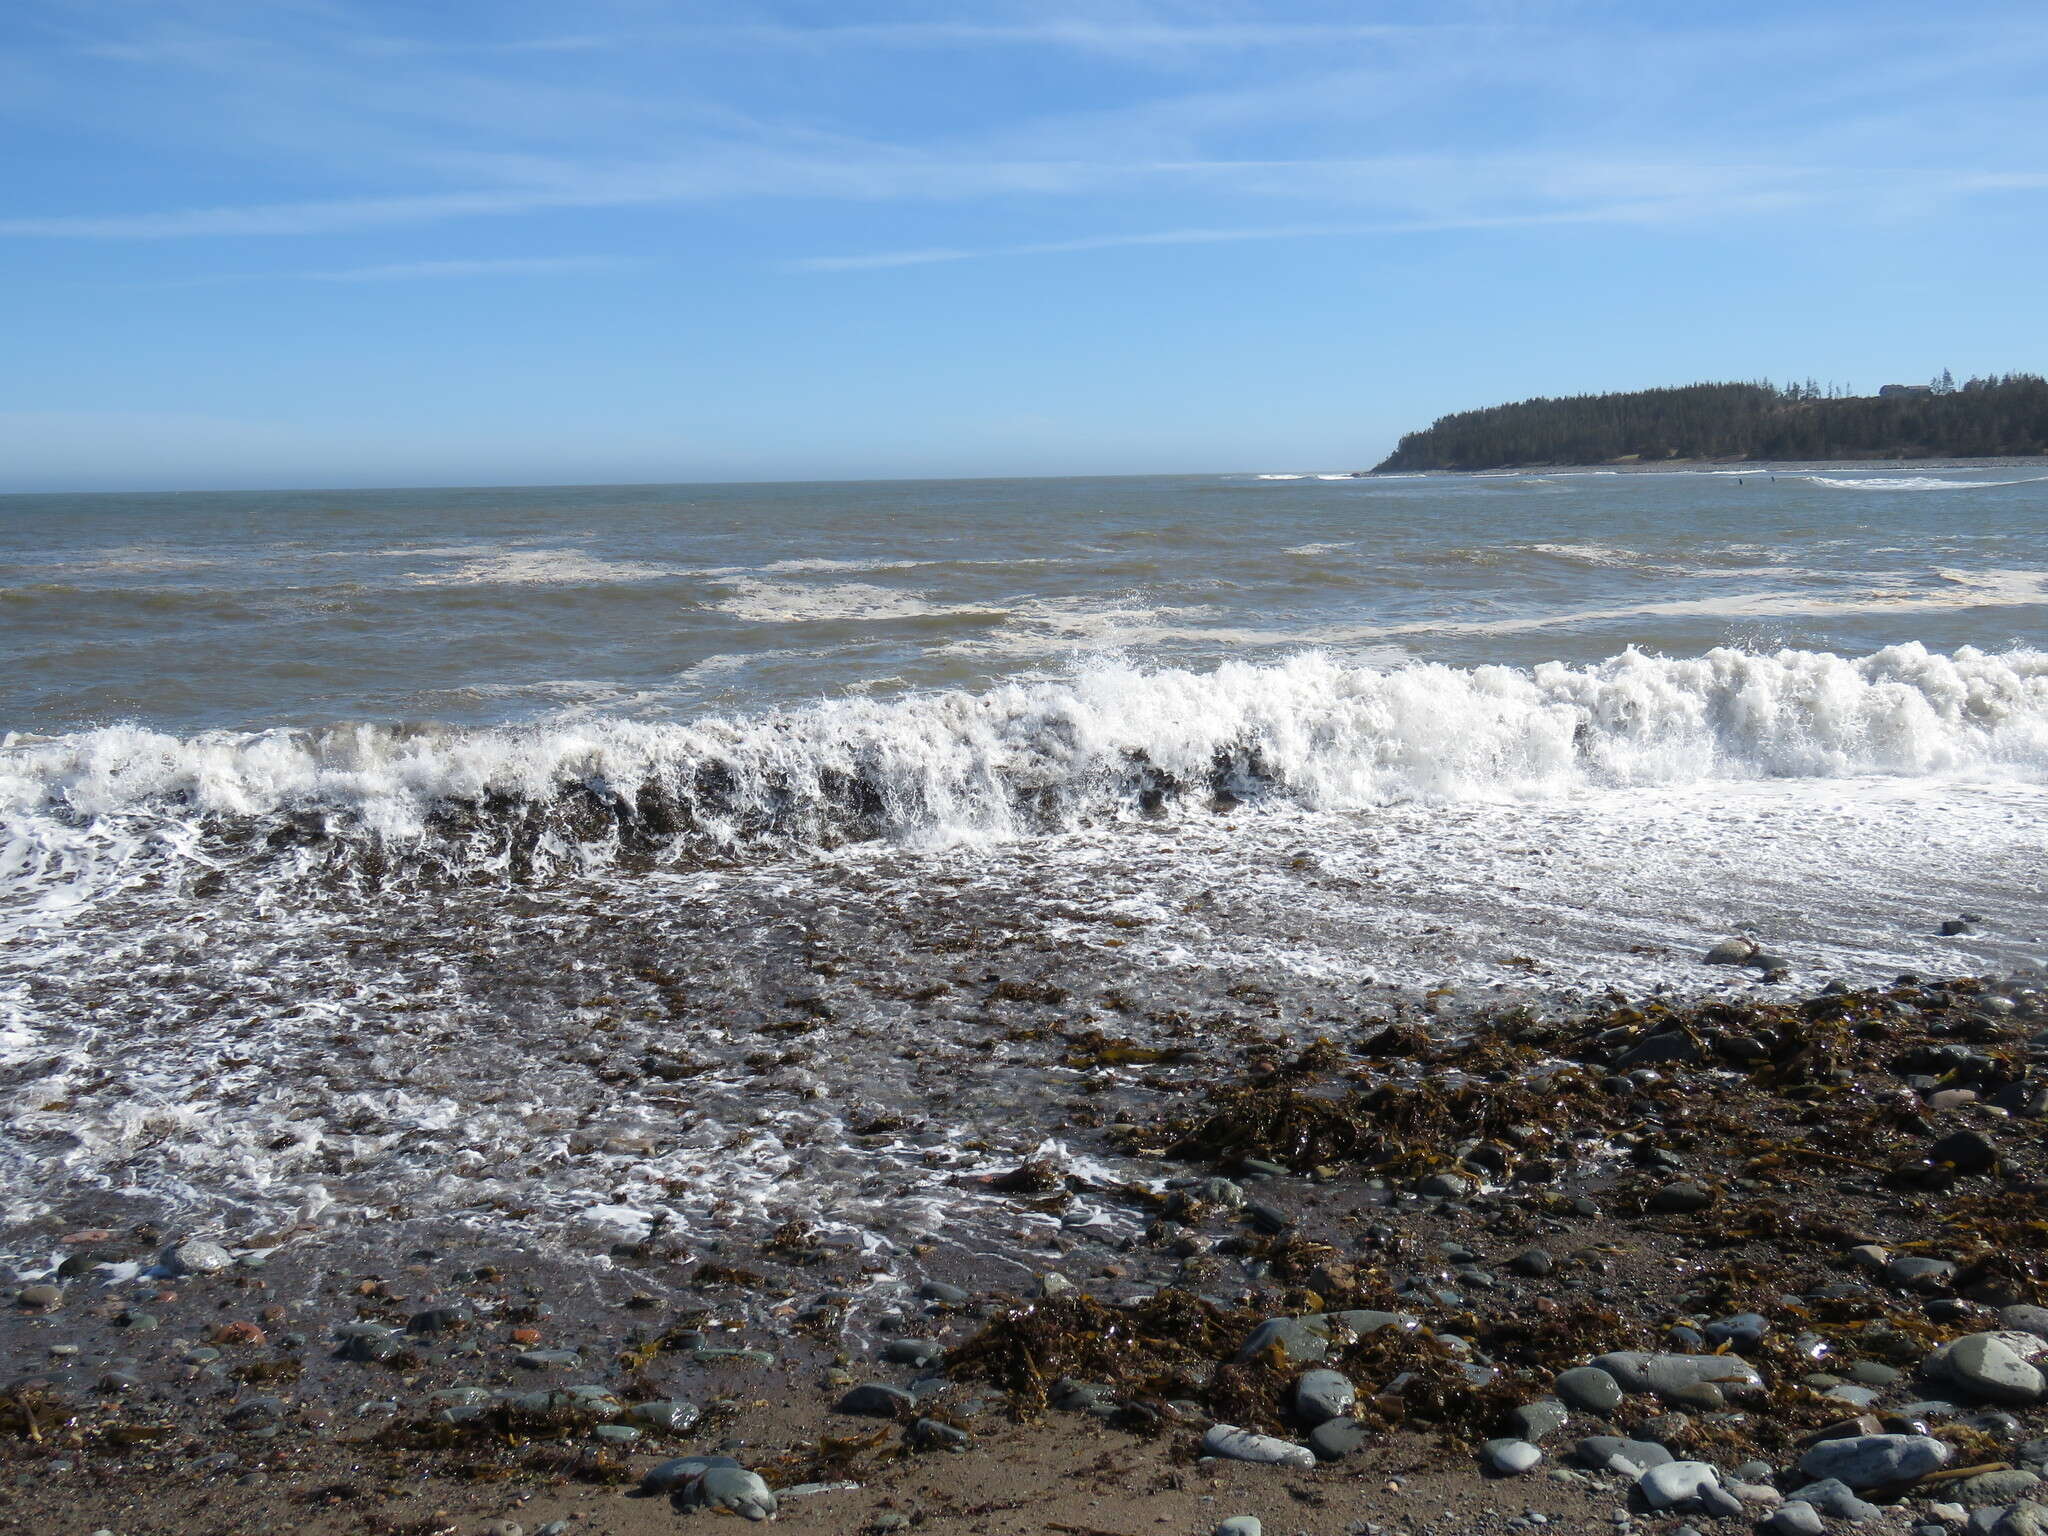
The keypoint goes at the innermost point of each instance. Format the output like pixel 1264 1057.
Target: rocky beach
pixel 1636 1265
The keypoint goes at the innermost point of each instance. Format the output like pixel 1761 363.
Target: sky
pixel 251 243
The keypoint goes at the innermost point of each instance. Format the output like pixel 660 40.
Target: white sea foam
pixel 1911 482
pixel 540 567
pixel 1320 549
pixel 779 602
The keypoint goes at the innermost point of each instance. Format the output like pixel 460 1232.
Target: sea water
pixel 555 861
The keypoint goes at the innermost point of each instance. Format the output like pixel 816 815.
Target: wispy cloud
pixel 919 258
pixel 510 266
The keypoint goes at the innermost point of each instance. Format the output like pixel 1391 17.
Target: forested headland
pixel 1980 418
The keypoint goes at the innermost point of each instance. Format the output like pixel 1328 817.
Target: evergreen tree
pixel 1982 417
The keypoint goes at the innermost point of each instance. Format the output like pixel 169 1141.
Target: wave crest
pixel 1109 742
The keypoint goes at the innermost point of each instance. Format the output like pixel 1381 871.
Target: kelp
pixel 1149 1348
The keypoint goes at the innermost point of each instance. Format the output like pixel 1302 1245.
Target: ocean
pixel 561 864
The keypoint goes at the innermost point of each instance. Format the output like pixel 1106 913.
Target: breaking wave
pixel 1912 482
pixel 83 813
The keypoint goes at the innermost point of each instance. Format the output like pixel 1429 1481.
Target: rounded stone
pixel 1989 1367
pixel 1796 1517
pixel 1589 1388
pixel 1234 1444
pixel 1338 1438
pixel 196 1257
pixel 1869 1461
pixel 1676 1483
pixel 1509 1458
pixel 1323 1395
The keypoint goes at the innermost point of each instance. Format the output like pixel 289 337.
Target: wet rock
pixel 1269 1219
pixel 1671 1045
pixel 1869 1461
pixel 1306 1339
pixel 1074 1396
pixel 669 1416
pixel 1966 1151
pixel 1240 1525
pixel 1681 1199
pixel 877 1400
pixel 1537 1421
pixel 2024 1319
pixel 39 1298
pixel 918 1352
pixel 442 1319
pixel 1993 1366
pixel 1532 1263
pixel 1509 1458
pixel 195 1256
pixel 1676 1484
pixel 1744 1330
pixel 1335 1439
pixel 732 1489
pixel 1912 1273
pixel 1323 1395
pixel 1234 1444
pixel 371 1349
pixel 548 1359
pixel 1590 1388
pixel 939 1291
pixel 1054 1284
pixel 937 1435
pixel 670 1475
pixel 1733 951
pixel 253 1412
pixel 1445 1186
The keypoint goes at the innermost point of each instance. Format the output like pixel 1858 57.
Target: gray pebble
pixel 1795 1517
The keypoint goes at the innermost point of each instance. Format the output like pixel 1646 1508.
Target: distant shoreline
pixel 1682 466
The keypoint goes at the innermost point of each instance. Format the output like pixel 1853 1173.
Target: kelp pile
pixel 1161 1348
pixel 1778 1135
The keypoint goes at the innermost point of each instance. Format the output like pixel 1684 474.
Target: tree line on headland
pixel 1980 418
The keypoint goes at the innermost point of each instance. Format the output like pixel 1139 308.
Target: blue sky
pixel 347 242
